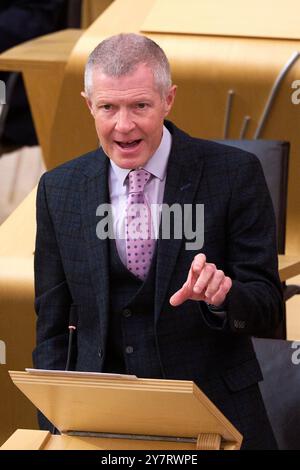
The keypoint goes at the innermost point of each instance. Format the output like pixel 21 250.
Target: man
pixel 160 309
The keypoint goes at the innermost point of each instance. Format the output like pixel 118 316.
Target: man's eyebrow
pixel 142 98
pixel 103 101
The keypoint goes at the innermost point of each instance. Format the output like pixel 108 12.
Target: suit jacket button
pixel 129 349
pixel 127 313
pixel 100 353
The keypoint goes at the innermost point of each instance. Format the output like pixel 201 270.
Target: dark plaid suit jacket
pixel 72 269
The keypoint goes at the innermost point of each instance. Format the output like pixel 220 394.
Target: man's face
pixel 129 112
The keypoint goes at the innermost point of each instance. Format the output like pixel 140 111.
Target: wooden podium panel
pixel 112 411
pixel 229 18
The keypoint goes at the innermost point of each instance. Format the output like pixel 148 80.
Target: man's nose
pixel 124 121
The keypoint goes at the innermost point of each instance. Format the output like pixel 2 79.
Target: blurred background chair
pixel 280 364
pixel 274 158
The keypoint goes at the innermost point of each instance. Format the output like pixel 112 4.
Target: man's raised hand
pixel 204 282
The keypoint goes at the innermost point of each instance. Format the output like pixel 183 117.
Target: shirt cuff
pixel 220 310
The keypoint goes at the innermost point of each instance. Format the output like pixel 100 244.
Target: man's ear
pixel 169 100
pixel 88 102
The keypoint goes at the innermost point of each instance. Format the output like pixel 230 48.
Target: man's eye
pixel 106 107
pixel 141 105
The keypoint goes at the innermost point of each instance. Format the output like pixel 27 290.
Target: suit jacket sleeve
pixel 254 303
pixel 52 297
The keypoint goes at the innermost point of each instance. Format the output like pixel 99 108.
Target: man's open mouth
pixel 128 144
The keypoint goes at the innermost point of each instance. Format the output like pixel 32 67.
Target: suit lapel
pixel 183 175
pixel 93 193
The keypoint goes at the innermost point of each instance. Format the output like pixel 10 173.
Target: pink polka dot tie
pixel 139 244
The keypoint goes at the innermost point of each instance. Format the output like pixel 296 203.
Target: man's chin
pixel 129 161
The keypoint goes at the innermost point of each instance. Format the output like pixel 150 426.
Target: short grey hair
pixel 120 55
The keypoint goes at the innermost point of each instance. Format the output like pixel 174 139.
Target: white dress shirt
pixel 154 191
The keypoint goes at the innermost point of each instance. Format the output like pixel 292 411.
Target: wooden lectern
pixel 108 412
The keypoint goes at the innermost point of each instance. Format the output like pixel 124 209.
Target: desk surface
pixel 51 48
pixel 289 266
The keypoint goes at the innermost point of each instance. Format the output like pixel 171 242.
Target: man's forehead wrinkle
pixel 132 93
pixel 126 90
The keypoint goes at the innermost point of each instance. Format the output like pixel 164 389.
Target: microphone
pixel 73 318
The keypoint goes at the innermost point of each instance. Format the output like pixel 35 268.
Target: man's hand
pixel 204 282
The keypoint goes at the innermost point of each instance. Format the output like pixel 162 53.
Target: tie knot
pixel 138 180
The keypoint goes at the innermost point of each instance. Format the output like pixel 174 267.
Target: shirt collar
pixel 156 165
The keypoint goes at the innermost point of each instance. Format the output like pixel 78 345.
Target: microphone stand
pixel 72 328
